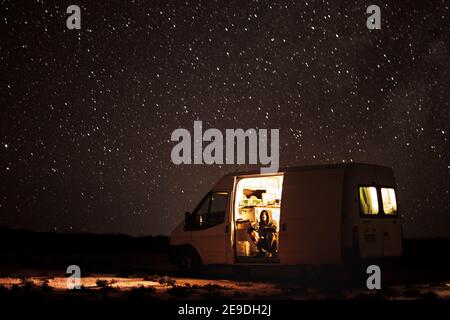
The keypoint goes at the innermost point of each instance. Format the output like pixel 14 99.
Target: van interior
pixel 257 217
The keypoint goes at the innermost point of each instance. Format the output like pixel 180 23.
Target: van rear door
pixel 392 229
pixel 371 226
pixel 392 235
pixel 392 238
pixel 371 238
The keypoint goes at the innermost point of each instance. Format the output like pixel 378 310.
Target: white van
pixel 320 215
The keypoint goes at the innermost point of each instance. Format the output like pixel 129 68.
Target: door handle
pixel 227 228
pixel 284 227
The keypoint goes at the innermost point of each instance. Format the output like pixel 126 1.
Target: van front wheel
pixel 189 262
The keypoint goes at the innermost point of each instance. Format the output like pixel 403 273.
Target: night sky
pixel 87 115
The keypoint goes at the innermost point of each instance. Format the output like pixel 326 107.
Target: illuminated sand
pixel 226 288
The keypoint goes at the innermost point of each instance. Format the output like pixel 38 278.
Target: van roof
pixel 312 167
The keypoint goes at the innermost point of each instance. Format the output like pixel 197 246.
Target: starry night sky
pixel 86 115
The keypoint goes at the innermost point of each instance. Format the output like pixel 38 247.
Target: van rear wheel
pixel 311 272
pixel 314 270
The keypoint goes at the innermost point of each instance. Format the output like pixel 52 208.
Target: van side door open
pixel 257 206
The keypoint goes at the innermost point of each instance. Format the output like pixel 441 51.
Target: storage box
pixel 247 214
pixel 243 248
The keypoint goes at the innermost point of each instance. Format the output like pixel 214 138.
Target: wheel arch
pixel 177 250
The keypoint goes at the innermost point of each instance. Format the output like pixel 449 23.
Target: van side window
pixel 218 207
pixel 210 212
pixel 389 201
pixel 200 214
pixel 368 200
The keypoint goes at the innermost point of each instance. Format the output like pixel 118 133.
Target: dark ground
pixel 33 266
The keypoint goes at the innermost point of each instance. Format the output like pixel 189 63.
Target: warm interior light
pixel 368 200
pixel 259 192
pixel 389 200
pixel 254 195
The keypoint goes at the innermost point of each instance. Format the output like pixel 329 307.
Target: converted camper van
pixel 314 215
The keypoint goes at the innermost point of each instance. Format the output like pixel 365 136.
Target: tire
pixel 313 272
pixel 358 275
pixel 309 273
pixel 189 261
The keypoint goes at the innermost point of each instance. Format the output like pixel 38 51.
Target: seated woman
pixel 264 235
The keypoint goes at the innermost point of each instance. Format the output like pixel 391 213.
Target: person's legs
pixel 261 251
pixel 267 243
pixel 274 249
pixel 272 243
pixel 263 245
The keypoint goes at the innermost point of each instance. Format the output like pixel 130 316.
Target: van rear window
pixel 389 201
pixel 368 200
